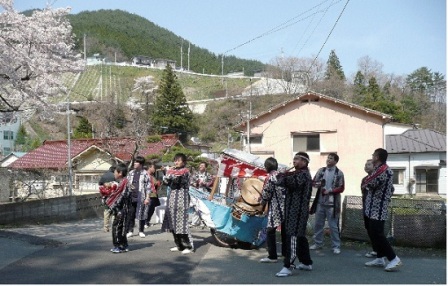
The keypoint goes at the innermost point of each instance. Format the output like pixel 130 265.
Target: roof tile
pixel 54 154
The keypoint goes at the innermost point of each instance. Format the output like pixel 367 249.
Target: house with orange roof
pixel 89 159
pixel 319 124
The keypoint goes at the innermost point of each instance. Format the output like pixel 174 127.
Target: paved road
pixel 78 253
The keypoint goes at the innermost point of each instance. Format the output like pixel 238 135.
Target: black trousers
pixel 119 238
pixel 182 241
pixel 297 247
pixel 375 229
pixel 130 224
pixel 366 225
pixel 151 209
pixel 271 241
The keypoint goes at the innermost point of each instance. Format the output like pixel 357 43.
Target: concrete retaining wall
pixel 51 210
pixel 5 185
pixel 411 222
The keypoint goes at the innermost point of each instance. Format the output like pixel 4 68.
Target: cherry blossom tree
pixel 35 51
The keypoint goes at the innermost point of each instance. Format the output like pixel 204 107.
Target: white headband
pixel 303 157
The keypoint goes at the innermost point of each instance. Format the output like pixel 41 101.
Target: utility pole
pixel 101 81
pixel 85 49
pixel 181 56
pixel 188 56
pixel 69 158
pixel 222 69
pixel 248 126
pixel 248 117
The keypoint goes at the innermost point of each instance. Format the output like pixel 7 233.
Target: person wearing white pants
pixel 327 204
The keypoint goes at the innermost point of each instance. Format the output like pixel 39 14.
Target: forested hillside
pixel 116 33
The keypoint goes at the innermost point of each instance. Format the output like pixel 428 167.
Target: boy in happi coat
pixel 298 185
pixel 178 203
pixel 273 196
pixel 119 202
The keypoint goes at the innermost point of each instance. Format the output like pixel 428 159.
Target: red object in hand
pixel 107 189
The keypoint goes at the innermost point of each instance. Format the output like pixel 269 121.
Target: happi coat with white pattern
pixel 274 196
pixel 178 201
pixel 298 186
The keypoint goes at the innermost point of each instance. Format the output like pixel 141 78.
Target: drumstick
pixel 255 189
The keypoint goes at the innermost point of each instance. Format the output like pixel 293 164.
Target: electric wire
pixel 317 25
pixel 283 25
pixel 329 34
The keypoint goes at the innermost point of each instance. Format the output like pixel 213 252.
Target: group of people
pixel 127 196
pixel 287 196
pixel 131 196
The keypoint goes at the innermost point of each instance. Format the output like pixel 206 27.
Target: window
pixel 306 143
pixel 8 135
pixel 255 139
pixel 427 180
pixel 6 151
pixel 398 176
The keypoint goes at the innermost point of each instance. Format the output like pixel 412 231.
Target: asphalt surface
pixel 78 253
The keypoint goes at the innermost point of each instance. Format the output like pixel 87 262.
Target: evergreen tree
pixel 119 117
pixel 334 68
pixel 359 88
pixel 171 112
pixel 35 143
pixel 420 81
pixel 83 130
pixel 374 93
pixel 21 136
pixel 376 99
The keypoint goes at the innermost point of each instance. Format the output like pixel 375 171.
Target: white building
pixel 418 159
pixel 9 127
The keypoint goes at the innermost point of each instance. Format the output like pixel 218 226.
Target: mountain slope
pixel 120 34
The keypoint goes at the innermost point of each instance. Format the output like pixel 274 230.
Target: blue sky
pixel 403 35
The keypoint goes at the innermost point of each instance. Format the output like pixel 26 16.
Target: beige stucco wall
pixel 351 133
pixel 93 160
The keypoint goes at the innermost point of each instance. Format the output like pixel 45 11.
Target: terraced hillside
pixel 115 83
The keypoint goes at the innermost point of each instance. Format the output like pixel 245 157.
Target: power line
pixel 312 32
pixel 284 25
pixel 329 34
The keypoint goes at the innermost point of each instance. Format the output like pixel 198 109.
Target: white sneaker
pixel 315 247
pixel 268 260
pixel 305 267
pixel 129 234
pixel 174 249
pixel 284 272
pixel 371 254
pixel 186 251
pixel 392 265
pixel 381 262
pixel 146 226
pixel 336 250
pixel 141 234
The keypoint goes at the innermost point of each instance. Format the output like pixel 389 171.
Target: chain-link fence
pixel 411 222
